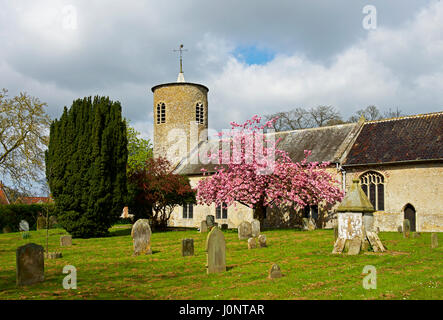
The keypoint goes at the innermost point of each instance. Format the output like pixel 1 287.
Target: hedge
pixel 12 214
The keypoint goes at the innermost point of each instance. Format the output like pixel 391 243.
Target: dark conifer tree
pixel 86 166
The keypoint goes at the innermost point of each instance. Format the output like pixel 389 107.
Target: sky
pixel 256 57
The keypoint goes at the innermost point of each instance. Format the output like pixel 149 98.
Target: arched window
pixel 161 113
pixel 199 113
pixel 373 185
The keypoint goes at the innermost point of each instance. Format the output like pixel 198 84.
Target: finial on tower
pixel 181 77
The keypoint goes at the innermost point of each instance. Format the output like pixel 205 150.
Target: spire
pixel 181 76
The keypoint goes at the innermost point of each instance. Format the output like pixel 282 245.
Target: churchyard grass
pixel 106 269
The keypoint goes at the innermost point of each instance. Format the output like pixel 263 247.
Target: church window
pixel 221 212
pixel 373 185
pixel 199 113
pixel 188 211
pixel 161 113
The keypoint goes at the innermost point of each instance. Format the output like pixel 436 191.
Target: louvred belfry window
pixel 373 186
pixel 161 113
pixel 199 113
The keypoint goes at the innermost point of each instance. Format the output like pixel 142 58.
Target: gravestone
pixel 252 244
pixel 66 241
pixel 187 247
pixel 215 251
pixel 255 228
pixel 335 233
pixel 354 246
pixel 141 235
pixel 210 221
pixel 275 272
pixel 53 255
pixel 434 240
pixel 406 228
pixel 23 225
pixel 305 223
pixel 224 226
pixel 30 264
pixel 311 225
pixel 262 240
pixel 400 229
pixel 41 223
pixel 244 230
pixel 368 221
pixel 203 226
pixel 416 235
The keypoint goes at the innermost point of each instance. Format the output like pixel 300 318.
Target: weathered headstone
pixel 375 242
pixel 53 255
pixel 262 240
pixel 7 229
pixel 255 228
pixel 210 221
pixel 66 241
pixel 335 233
pixel 252 244
pixel 434 240
pixel 339 246
pixel 216 251
pixel 305 223
pixel 224 226
pixel 187 247
pixel 30 264
pixel 23 225
pixel 406 228
pixel 203 226
pixel 416 235
pixel 41 223
pixel 244 230
pixel 354 246
pixel 275 272
pixel 311 225
pixel 141 235
pixel 52 221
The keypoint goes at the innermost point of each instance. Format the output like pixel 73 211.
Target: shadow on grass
pixel 120 232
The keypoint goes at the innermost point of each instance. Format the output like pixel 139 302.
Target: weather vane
pixel 180 49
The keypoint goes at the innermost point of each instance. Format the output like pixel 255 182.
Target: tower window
pixel 372 184
pixel 161 113
pixel 221 212
pixel 199 113
pixel 188 211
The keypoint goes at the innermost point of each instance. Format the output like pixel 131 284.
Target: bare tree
pixel 393 113
pixel 23 138
pixel 322 115
pixel 370 113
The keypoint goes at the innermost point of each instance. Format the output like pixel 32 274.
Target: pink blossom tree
pixel 253 172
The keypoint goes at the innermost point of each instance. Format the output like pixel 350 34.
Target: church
pixel 398 161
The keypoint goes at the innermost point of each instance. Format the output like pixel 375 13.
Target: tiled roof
pixel 3 197
pixel 411 138
pixel 324 142
pixel 34 200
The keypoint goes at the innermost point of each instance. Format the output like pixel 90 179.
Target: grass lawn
pixel 106 268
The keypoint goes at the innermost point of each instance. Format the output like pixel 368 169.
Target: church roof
pixel 326 143
pixel 3 196
pixel 411 138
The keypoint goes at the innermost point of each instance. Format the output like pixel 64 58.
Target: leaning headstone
pixel 224 226
pixel 66 241
pixel 406 228
pixel 203 226
pixel 244 230
pixel 262 240
pixel 434 240
pixel 210 221
pixel 41 223
pixel 216 251
pixel 339 246
pixel 354 246
pixel 187 247
pixel 252 244
pixel 30 264
pixel 255 228
pixel 141 235
pixel 275 272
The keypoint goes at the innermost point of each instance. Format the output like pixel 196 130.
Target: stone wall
pixel 420 185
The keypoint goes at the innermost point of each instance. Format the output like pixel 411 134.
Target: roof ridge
pixel 421 115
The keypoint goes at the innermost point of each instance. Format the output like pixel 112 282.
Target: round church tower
pixel 180 118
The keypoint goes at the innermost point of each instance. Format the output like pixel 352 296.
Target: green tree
pixel 139 151
pixel 23 139
pixel 86 166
